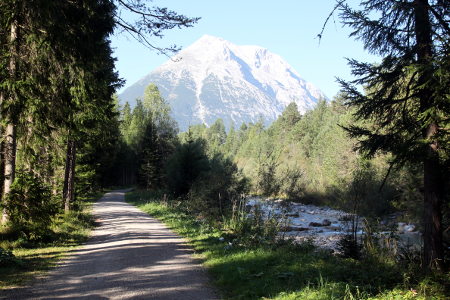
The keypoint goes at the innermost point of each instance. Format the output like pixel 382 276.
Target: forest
pixel 380 152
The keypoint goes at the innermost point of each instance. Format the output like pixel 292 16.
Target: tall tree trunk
pixel 9 152
pixel 2 155
pixel 432 217
pixel 69 176
pixel 2 163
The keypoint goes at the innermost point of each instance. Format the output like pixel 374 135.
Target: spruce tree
pixel 406 96
pixel 151 161
pixel 57 77
pixel 24 44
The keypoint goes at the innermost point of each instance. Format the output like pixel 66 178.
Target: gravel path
pixel 129 256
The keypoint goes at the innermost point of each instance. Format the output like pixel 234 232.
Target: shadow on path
pixel 129 256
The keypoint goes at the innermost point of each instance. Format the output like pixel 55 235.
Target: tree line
pixel 59 123
pixel 63 133
pixel 399 124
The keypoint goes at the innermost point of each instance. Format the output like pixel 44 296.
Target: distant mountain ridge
pixel 214 78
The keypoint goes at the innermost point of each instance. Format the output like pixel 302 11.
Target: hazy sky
pixel 288 28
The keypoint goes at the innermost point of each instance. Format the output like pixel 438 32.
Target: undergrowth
pixel 22 259
pixel 283 270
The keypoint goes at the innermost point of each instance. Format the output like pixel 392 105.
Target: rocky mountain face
pixel 214 78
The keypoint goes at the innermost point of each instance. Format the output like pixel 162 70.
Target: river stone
pixel 292 214
pixel 293 228
pixel 326 222
pixel 333 228
pixel 315 224
pixel 409 228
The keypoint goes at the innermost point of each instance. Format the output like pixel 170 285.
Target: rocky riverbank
pixel 323 226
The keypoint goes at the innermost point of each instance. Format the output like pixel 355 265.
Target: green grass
pixel 33 259
pixel 287 271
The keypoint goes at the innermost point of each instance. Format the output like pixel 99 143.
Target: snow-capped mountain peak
pixel 214 78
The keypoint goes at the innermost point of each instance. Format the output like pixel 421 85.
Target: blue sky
pixel 288 28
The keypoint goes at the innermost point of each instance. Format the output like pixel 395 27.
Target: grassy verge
pixel 33 259
pixel 287 271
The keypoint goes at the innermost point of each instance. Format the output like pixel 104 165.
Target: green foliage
pixel 266 182
pixel 291 183
pixel 185 166
pixel 216 136
pixel 406 97
pixel 393 101
pixel 150 160
pixel 349 246
pixel 30 206
pixel 286 271
pixel 148 139
pixel 365 195
pixel 217 188
pixel 31 258
pixel 209 183
pixel 311 159
pixel 254 229
pixel 7 258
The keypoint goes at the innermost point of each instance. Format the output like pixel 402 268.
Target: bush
pixel 7 258
pixel 185 166
pixel 214 191
pixel 207 184
pixel 349 247
pixel 30 207
pixel 291 185
pixel 267 183
pixel 257 229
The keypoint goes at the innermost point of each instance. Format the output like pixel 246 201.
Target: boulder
pixel 409 228
pixel 401 227
pixel 292 214
pixel 293 228
pixel 326 222
pixel 315 224
pixel 333 228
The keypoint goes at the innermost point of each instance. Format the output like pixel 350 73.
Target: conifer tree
pixel 159 135
pixel 151 161
pixel 57 77
pixel 406 95
pixel 23 45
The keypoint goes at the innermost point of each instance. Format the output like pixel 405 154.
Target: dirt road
pixel 130 256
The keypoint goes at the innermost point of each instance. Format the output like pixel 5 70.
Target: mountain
pixel 214 78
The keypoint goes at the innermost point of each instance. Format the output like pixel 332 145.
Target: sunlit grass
pixel 287 271
pixel 33 259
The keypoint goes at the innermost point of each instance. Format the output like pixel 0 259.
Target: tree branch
pixel 339 4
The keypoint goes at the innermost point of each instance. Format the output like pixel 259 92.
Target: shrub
pixel 214 191
pixel 255 227
pixel 7 258
pixel 267 183
pixel 30 207
pixel 291 185
pixel 185 166
pixel 349 247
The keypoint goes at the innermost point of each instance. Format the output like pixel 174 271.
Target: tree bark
pixel 433 254
pixel 9 162
pixel 69 176
pixel 2 164
pixel 9 153
pixel 2 154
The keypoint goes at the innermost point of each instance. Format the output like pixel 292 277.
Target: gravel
pixel 129 256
